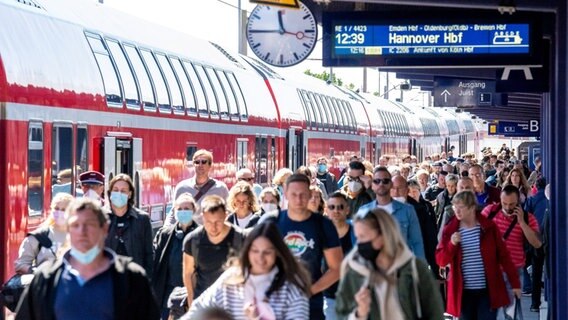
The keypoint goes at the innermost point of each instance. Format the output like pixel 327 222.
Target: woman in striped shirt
pixel 471 245
pixel 267 284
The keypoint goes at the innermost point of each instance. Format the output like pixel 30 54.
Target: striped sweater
pixel 288 302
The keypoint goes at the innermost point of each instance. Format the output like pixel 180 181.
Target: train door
pixel 264 157
pixel 297 144
pixel 363 146
pixel 378 149
pixel 121 153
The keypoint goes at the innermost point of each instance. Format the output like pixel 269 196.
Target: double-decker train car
pixel 84 87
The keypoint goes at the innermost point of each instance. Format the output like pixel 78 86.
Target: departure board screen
pixel 429 39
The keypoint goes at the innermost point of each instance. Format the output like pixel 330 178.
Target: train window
pixel 325 114
pixel 126 76
pixel 190 150
pixel 35 169
pixel 173 85
pixel 186 87
pixel 353 122
pixel 197 89
pixel 209 93
pixel 327 103
pixel 241 153
pixel 311 109
pixel 143 77
pixel 62 159
pixel 81 148
pixel 158 80
pixel 307 116
pixel 219 93
pixel 339 109
pixel 231 99
pixel 108 73
pixel 240 97
pixel 317 112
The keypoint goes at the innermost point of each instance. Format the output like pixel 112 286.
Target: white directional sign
pixel 451 92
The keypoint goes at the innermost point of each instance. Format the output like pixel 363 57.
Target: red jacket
pixel 495 258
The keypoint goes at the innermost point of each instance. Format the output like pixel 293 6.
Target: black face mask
pixel 367 251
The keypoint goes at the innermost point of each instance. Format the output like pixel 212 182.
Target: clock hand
pixel 264 31
pixel 280 22
pixel 300 35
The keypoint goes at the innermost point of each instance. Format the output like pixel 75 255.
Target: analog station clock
pixel 280 36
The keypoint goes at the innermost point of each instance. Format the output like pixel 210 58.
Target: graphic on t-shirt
pixel 297 242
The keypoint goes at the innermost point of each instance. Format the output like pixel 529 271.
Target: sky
pixel 217 21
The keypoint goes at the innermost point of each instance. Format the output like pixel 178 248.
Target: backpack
pixel 13 289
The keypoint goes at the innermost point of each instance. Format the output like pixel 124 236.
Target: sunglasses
pixel 383 181
pixel 202 162
pixel 333 207
pixel 246 179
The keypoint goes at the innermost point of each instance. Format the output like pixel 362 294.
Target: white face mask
pixel 269 207
pixel 59 217
pixel 400 199
pixel 354 186
pixel 91 194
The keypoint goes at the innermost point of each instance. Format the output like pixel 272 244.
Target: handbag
pixel 13 289
pixel 515 311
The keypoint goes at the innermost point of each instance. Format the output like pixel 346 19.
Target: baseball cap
pixel 93 177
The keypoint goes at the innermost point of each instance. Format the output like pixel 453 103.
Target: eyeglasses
pixel 333 207
pixel 383 181
pixel 246 179
pixel 202 162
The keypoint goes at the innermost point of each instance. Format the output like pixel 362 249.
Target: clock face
pixel 282 36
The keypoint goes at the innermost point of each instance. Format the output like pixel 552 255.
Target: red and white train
pixel 84 87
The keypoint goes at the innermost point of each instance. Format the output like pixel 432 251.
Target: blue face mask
pixel 118 199
pixel 184 216
pixel 85 257
pixel 322 168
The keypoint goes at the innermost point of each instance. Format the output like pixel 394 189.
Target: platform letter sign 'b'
pixel 533 126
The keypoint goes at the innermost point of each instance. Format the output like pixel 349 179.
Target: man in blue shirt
pixel 403 213
pixel 311 238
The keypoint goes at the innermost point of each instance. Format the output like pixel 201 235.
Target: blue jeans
pixel 329 309
pixel 476 305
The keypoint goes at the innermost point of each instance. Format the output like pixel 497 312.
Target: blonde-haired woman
pixel 381 278
pixel 279 183
pixel 44 243
pixel 244 206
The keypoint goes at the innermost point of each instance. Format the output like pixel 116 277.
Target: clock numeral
pixel 309 31
pixel 306 45
pixel 256 16
pixel 306 16
pixel 256 46
pixel 266 56
pixel 296 56
pixel 281 59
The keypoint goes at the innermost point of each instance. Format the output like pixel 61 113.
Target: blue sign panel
pixel 396 39
pixel 431 39
pixel 530 128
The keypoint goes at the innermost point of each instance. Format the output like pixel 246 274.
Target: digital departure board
pixel 383 39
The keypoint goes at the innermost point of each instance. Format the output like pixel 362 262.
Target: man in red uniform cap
pixel 93 185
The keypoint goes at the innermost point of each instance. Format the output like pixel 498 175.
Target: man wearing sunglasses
pixel 246 175
pixel 200 185
pixel 403 213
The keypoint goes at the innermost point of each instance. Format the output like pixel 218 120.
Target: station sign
pixel 452 92
pixel 529 128
pixel 428 39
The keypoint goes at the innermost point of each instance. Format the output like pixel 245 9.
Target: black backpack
pixel 13 289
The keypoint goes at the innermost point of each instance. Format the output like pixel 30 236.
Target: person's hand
pixel 366 180
pixel 456 238
pixel 250 310
pixel 363 299
pixel 518 211
pixel 517 292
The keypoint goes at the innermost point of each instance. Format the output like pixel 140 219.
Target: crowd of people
pixel 451 236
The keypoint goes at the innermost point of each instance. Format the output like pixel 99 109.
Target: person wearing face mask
pixel 357 196
pixel 325 177
pixel 88 281
pixel 269 200
pixel 130 232
pixel 43 244
pixel 93 185
pixel 168 243
pixel 381 278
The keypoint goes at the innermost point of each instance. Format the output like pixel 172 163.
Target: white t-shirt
pixel 244 221
pixel 388 207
